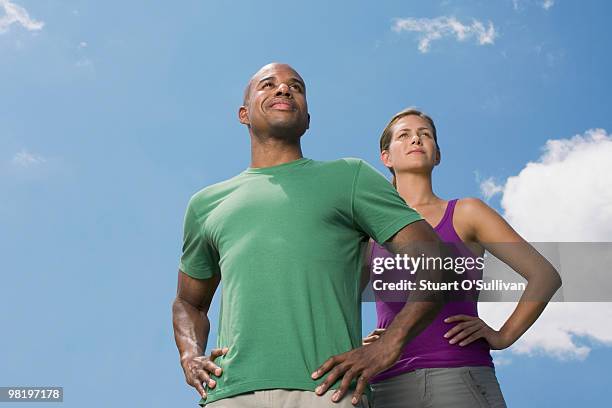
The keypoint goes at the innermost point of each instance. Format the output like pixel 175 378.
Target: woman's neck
pixel 416 189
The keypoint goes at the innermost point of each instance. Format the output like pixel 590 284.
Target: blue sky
pixel 114 113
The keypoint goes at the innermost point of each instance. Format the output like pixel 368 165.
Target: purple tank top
pixel 430 349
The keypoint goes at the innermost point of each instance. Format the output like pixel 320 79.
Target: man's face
pixel 275 103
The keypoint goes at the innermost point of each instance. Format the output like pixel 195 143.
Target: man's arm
pixel 365 266
pixel 191 329
pixel 422 307
pixel 364 362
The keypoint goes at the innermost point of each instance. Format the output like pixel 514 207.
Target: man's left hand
pixel 361 363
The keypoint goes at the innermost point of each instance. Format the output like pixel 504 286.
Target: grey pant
pixel 461 387
pixel 286 399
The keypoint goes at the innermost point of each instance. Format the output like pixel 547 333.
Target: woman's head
pixel 409 143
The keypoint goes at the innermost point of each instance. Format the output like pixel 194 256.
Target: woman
pixel 449 364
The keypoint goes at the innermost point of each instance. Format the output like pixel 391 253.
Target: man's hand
pixel 361 363
pixel 415 239
pixel 472 328
pixel 191 328
pixel 372 337
pixel 199 368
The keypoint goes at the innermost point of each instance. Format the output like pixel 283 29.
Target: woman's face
pixel 412 148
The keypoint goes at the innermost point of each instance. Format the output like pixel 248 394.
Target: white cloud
pixel 570 184
pixel 489 188
pixel 83 44
pixel 565 331
pixel 439 27
pixel 15 14
pixel 565 195
pixel 26 159
pixel 547 4
pixel 500 360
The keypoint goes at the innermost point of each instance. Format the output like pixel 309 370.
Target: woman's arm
pixel 476 221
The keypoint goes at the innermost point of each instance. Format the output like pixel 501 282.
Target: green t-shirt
pixel 287 242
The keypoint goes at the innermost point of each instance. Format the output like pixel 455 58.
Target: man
pixel 286 237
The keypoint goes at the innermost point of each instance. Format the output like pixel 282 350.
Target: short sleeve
pixel 198 259
pixel 378 210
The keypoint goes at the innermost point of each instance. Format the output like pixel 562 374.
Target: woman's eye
pixel 267 84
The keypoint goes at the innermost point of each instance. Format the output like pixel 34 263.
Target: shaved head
pixel 275 103
pixel 259 74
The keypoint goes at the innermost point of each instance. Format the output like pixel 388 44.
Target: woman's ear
pixel 385 158
pixel 438 157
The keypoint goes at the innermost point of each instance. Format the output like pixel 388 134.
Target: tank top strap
pixel 448 214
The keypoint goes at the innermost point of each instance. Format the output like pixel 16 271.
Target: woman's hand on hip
pixel 471 328
pixel 372 337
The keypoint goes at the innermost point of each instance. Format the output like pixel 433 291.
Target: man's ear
pixel 308 121
pixel 243 115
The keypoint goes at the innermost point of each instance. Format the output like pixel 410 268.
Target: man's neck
pixel 270 151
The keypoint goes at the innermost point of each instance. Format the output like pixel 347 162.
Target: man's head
pixel 275 103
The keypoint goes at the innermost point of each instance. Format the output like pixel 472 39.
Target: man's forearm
pixel 422 306
pixel 410 321
pixel 191 329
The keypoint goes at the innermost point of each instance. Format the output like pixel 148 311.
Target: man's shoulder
pixel 345 170
pixel 213 192
pixel 345 163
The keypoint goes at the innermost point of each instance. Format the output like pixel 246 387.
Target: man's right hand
pixel 199 368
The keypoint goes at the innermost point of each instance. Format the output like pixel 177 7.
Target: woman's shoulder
pixel 470 212
pixel 471 205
